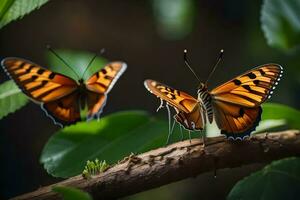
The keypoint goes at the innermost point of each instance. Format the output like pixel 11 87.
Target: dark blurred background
pixel 150 36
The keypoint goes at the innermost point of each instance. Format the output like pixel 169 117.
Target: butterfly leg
pixel 170 133
pixel 202 135
pixel 98 117
pixel 190 136
pixel 160 106
pixel 169 119
pixel 203 140
pixel 181 132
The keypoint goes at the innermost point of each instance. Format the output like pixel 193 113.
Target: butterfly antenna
pixel 215 66
pixel 92 60
pixel 188 65
pixel 61 59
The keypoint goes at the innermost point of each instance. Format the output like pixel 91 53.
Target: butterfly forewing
pixel 188 109
pixel 251 88
pixel 176 98
pixel 103 80
pixel 38 83
pixel 99 84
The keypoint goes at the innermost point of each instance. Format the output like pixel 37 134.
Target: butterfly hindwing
pixel 236 122
pixel 236 103
pixel 95 103
pixel 188 109
pixel 99 84
pixel 193 120
pixel 64 111
pixel 39 84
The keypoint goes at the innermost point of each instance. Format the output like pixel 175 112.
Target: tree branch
pixel 178 161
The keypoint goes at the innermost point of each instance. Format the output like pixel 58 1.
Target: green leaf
pixel 279 180
pixel 11 98
pixel 78 60
pixel 70 193
pixel 15 9
pixel 276 116
pixel 281 112
pixel 280 22
pixel 112 138
pixel 269 124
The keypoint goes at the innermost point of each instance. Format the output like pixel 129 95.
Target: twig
pixel 176 162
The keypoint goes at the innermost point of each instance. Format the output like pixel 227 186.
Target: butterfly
pixel 234 105
pixel 61 97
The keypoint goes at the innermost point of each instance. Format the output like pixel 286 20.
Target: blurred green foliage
pixel 15 9
pixel 174 19
pixel 11 98
pixel 70 193
pixel 280 22
pixel 279 180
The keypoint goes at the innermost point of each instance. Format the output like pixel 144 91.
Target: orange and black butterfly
pixel 61 97
pixel 234 105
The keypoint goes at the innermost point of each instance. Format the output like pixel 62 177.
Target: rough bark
pixel 178 161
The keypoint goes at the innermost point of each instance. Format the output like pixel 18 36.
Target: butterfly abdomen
pixel 204 96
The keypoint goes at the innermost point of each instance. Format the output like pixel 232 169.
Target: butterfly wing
pixel 176 98
pixel 99 84
pixel 65 110
pixel 193 120
pixel 236 122
pixel 188 109
pixel 54 91
pixel 251 88
pixel 237 102
pixel 39 84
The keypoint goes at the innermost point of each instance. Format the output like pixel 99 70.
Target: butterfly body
pixel 61 97
pixel 234 105
pixel 205 98
pixel 82 93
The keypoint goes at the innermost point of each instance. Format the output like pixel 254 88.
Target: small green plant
pixel 94 168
